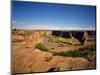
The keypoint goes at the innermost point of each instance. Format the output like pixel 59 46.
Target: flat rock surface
pixel 26 60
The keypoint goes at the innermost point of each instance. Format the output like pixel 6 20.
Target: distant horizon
pixel 44 16
pixel 56 29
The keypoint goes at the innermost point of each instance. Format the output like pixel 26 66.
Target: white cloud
pixel 55 27
pixel 16 24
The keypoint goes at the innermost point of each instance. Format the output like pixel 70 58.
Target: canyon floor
pixel 27 58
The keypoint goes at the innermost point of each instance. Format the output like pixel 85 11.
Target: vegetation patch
pixel 81 52
pixel 41 47
pixel 57 39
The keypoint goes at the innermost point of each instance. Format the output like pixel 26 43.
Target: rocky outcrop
pixel 69 63
pixel 82 36
pixel 31 38
pixel 28 59
pixel 34 37
pixel 17 36
pixel 90 38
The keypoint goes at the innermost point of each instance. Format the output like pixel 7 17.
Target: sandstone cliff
pixel 30 38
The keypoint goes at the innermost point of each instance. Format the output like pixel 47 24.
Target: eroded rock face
pixel 29 60
pixel 89 38
pixel 69 63
pixel 64 34
pixel 17 38
pixel 80 63
pixel 31 38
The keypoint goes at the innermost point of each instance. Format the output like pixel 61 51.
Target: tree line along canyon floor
pixel 52 50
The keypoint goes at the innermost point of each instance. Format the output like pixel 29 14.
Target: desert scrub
pixel 70 41
pixel 57 39
pixel 54 38
pixel 81 52
pixel 41 47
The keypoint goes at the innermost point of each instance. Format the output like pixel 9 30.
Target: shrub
pixel 72 53
pixel 81 52
pixel 41 47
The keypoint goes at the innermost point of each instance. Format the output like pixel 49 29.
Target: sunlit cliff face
pixel 31 37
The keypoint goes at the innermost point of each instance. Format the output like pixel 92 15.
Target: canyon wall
pixel 32 37
pixel 29 37
pixel 80 35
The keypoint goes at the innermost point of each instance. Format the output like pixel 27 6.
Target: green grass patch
pixel 81 52
pixel 57 39
pixel 41 47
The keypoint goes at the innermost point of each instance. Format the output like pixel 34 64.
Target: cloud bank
pixel 21 25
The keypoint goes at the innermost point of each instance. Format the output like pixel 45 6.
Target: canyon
pixel 26 58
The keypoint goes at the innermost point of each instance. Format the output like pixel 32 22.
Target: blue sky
pixel 34 15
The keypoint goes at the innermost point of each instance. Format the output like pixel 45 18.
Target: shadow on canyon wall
pixel 80 35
